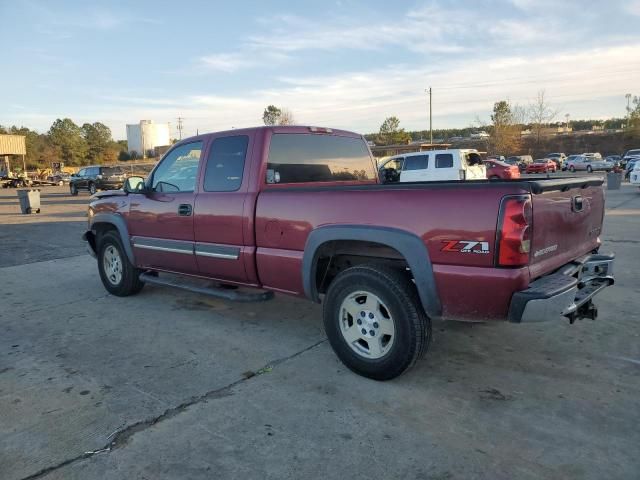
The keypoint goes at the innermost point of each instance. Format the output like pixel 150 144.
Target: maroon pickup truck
pixel 300 210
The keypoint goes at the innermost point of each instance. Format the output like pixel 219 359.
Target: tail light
pixel 514 231
pixel 463 174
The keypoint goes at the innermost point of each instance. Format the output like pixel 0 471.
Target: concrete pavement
pixel 169 384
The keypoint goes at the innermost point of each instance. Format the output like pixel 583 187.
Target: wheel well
pixel 337 255
pixel 101 228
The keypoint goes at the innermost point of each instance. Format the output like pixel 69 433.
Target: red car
pixel 542 165
pixel 300 211
pixel 497 170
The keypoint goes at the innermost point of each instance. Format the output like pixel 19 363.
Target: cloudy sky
pixel 345 64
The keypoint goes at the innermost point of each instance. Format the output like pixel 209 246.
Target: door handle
pixel 185 210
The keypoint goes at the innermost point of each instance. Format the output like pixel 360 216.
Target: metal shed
pixel 11 145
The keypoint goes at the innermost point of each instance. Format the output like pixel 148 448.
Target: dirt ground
pixel 173 385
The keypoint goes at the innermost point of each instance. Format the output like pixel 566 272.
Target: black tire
pixel 589 169
pixel 73 190
pixel 92 188
pixel 572 169
pixel 129 283
pixel 412 327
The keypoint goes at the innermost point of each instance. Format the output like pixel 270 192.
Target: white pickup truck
pixel 433 166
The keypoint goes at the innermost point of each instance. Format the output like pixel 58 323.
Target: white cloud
pixel 226 62
pixel 633 7
pixel 361 100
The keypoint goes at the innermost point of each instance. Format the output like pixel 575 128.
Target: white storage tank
pixel 147 135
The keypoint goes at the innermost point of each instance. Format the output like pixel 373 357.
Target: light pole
pixel 628 97
pixel 566 115
pixel 430 121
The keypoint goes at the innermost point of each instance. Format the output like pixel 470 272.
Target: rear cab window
pixel 314 158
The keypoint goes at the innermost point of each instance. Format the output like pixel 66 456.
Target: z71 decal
pixel 465 246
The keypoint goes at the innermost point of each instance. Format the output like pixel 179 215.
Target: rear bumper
pixel 566 293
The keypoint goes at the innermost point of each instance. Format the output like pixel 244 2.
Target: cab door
pixel 161 219
pixel 224 239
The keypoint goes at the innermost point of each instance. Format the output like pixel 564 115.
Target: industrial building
pixel 147 135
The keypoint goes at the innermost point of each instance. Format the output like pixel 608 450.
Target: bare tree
pixel 540 114
pixel 286 117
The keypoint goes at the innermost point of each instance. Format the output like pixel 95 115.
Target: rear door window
pixel 444 160
pixel 305 158
pixel 225 165
pixel 416 162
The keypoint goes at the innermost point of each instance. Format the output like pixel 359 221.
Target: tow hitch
pixel 586 310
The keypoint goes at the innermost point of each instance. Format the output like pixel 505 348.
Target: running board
pixel 233 295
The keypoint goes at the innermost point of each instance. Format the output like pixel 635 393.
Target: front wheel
pixel 92 188
pixel 375 322
pixel 119 276
pixel 589 169
pixel 572 169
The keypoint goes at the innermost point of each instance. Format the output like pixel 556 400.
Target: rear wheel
pixel 73 189
pixel 589 169
pixel 375 322
pixel 118 275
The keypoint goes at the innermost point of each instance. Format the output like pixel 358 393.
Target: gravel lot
pixel 169 384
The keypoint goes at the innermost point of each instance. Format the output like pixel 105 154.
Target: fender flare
pixel 410 246
pixel 121 226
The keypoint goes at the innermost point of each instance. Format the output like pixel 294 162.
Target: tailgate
pixel 567 221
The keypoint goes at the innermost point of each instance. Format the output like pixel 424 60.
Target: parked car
pixel 500 170
pixel 559 158
pixel 630 166
pixel 97 178
pixel 520 160
pixel 434 165
pixel 299 210
pixel 568 160
pixel 479 135
pixel 59 178
pixel 588 163
pixel 542 165
pixel 629 154
pixel 613 161
pixel 634 174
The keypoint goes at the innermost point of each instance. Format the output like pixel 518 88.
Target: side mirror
pixel 134 185
pixel 74 175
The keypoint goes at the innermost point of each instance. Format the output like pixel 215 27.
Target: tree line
pixel 91 143
pixel 507 124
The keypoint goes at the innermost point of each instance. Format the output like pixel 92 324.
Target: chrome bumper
pixel 566 293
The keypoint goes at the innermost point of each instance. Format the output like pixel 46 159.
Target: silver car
pixel 588 163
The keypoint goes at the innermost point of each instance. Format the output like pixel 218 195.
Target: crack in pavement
pixel 122 436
